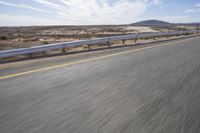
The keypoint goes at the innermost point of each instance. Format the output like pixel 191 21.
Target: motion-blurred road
pixel 143 89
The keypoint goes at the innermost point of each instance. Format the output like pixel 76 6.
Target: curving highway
pixel 152 88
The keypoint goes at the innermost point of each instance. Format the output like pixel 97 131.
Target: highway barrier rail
pixel 105 40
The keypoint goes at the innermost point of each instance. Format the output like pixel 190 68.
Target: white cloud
pixel 49 4
pixel 196 8
pixel 190 10
pixel 99 11
pixel 21 20
pixel 90 11
pixel 157 2
pixel 22 6
pixel 197 5
pixel 176 19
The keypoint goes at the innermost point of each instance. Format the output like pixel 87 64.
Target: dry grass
pixel 19 37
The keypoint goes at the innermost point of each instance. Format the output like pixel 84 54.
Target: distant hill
pixel 158 23
pixel 152 23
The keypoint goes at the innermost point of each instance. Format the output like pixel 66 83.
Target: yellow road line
pixel 82 61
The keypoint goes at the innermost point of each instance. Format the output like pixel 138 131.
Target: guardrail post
pixel 136 40
pixel 108 43
pixel 123 42
pixel 89 47
pixel 63 50
pixel 30 55
pixel 44 52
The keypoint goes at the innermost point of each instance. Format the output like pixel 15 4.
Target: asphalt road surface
pixel 144 89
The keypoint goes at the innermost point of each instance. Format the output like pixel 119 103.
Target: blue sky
pixel 86 12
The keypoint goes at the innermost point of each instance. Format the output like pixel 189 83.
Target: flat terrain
pixel 28 36
pixel 143 89
pixel 18 37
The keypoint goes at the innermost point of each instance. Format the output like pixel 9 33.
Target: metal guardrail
pixel 49 47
